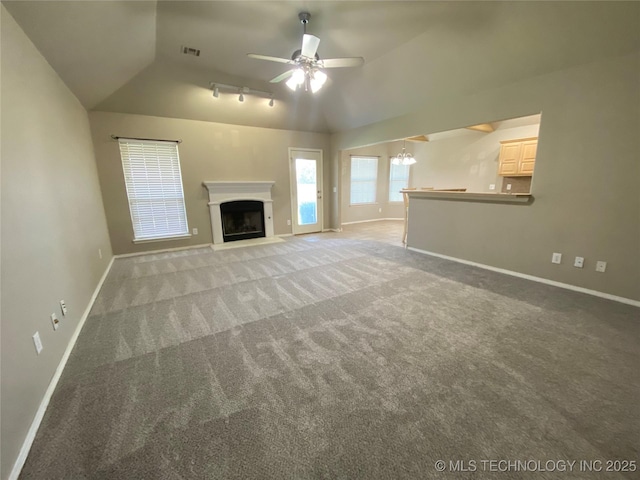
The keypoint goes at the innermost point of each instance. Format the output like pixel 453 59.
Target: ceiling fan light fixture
pixel 292 84
pixel 307 62
pixel 317 80
pixel 297 79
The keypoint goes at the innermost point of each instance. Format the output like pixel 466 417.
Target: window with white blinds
pixel 398 179
pixel 154 188
pixel 364 180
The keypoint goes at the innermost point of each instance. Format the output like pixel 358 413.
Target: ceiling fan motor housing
pixel 298 52
pixel 304 17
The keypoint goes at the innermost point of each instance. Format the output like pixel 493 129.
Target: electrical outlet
pixel 579 262
pixel 380 210
pixel 556 258
pixel 195 231
pixel 288 222
pixel 100 253
pixel 63 307
pixel 492 186
pixel 55 321
pixel 37 342
pixel 601 266
pixel 335 189
pixel 508 187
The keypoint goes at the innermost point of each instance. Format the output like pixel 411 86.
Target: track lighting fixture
pixel 241 91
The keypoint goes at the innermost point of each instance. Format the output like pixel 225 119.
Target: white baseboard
pixel 285 235
pixel 567 286
pixel 373 220
pixel 164 250
pixel 33 429
pixel 338 230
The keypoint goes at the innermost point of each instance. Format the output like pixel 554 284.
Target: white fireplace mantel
pixel 221 192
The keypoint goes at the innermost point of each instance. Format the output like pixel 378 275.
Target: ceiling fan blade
pixel 309 45
pixel 282 76
pixel 268 58
pixel 342 62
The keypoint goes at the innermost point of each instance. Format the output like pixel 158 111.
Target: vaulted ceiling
pixel 125 56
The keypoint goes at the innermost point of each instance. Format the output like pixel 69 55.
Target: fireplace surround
pixel 227 192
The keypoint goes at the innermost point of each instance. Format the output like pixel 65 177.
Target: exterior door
pixel 306 190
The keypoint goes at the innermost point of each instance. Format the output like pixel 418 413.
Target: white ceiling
pixel 125 55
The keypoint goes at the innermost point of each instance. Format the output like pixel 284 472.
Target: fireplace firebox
pixel 242 220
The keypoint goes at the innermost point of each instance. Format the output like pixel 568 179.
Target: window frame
pixel 374 181
pixel 134 199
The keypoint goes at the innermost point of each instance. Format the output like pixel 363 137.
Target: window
pixel 398 179
pixel 154 189
pixel 364 179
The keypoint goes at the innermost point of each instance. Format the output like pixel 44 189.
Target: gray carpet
pixel 324 357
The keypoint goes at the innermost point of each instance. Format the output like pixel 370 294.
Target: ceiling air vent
pixel 190 51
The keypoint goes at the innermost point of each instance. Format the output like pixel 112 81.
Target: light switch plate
pixel 601 266
pixel 579 262
pixel 54 321
pixel 63 307
pixel 556 258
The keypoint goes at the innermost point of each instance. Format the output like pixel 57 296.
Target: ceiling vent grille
pixel 190 51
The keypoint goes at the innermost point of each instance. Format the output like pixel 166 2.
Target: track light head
pixel 271 102
pixel 241 97
pixel 216 91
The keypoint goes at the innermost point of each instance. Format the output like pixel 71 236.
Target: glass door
pixel 306 190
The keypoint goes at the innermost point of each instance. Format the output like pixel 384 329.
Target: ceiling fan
pixel 307 72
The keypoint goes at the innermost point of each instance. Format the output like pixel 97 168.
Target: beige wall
pixel 209 151
pixel 382 208
pixel 53 224
pixel 586 199
pixel 467 160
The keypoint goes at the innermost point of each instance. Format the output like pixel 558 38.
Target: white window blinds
pixel 364 179
pixel 154 188
pixel 398 179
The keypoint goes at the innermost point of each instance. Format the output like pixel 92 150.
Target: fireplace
pixel 242 220
pixel 236 201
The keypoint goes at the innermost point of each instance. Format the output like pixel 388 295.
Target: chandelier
pixel 403 158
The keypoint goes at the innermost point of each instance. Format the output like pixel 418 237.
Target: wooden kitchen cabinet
pixel 518 157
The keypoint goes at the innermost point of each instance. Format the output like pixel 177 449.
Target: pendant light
pixel 403 158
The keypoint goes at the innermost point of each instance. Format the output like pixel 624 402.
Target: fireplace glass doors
pixel 242 220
